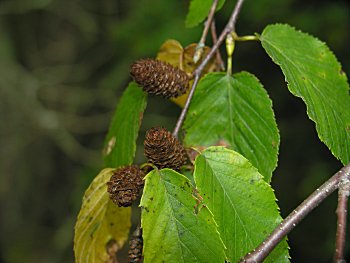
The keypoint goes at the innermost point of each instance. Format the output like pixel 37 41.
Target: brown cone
pixel 159 78
pixel 135 247
pixel 163 149
pixel 125 185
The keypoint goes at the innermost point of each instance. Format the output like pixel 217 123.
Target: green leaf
pixel 314 74
pixel 237 112
pixel 100 224
pixel 242 203
pixel 199 10
pixel 120 145
pixel 172 231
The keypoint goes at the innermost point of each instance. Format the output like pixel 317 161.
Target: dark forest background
pixel 65 63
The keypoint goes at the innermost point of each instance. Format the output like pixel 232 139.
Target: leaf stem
pixel 199 49
pixel 343 194
pixel 198 71
pixel 263 250
pixel 230 46
pixel 244 38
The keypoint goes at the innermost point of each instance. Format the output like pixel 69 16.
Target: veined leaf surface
pixel 235 111
pixel 172 230
pixel 314 74
pixel 243 204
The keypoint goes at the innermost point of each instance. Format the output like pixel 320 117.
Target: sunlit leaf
pixel 101 225
pixel 120 145
pixel 237 112
pixel 242 203
pixel 314 74
pixel 172 229
pixel 199 10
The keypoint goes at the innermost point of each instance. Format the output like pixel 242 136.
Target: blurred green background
pixel 63 66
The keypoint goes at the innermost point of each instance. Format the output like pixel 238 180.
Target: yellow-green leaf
pixel 172 52
pixel 101 226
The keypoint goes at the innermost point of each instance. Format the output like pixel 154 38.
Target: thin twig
pixel 228 28
pixel 263 250
pixel 185 108
pixel 214 36
pixel 343 194
pixel 201 43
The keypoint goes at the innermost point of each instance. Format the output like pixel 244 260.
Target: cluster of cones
pixel 161 148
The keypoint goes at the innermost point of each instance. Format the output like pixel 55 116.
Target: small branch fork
pixel 339 180
pixel 219 60
pixel 197 73
pixel 201 44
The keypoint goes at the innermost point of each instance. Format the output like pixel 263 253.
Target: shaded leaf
pixel 235 111
pixel 199 10
pixel 172 231
pixel 190 66
pixel 100 223
pixel 120 145
pixel 172 52
pixel 242 203
pixel 314 74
